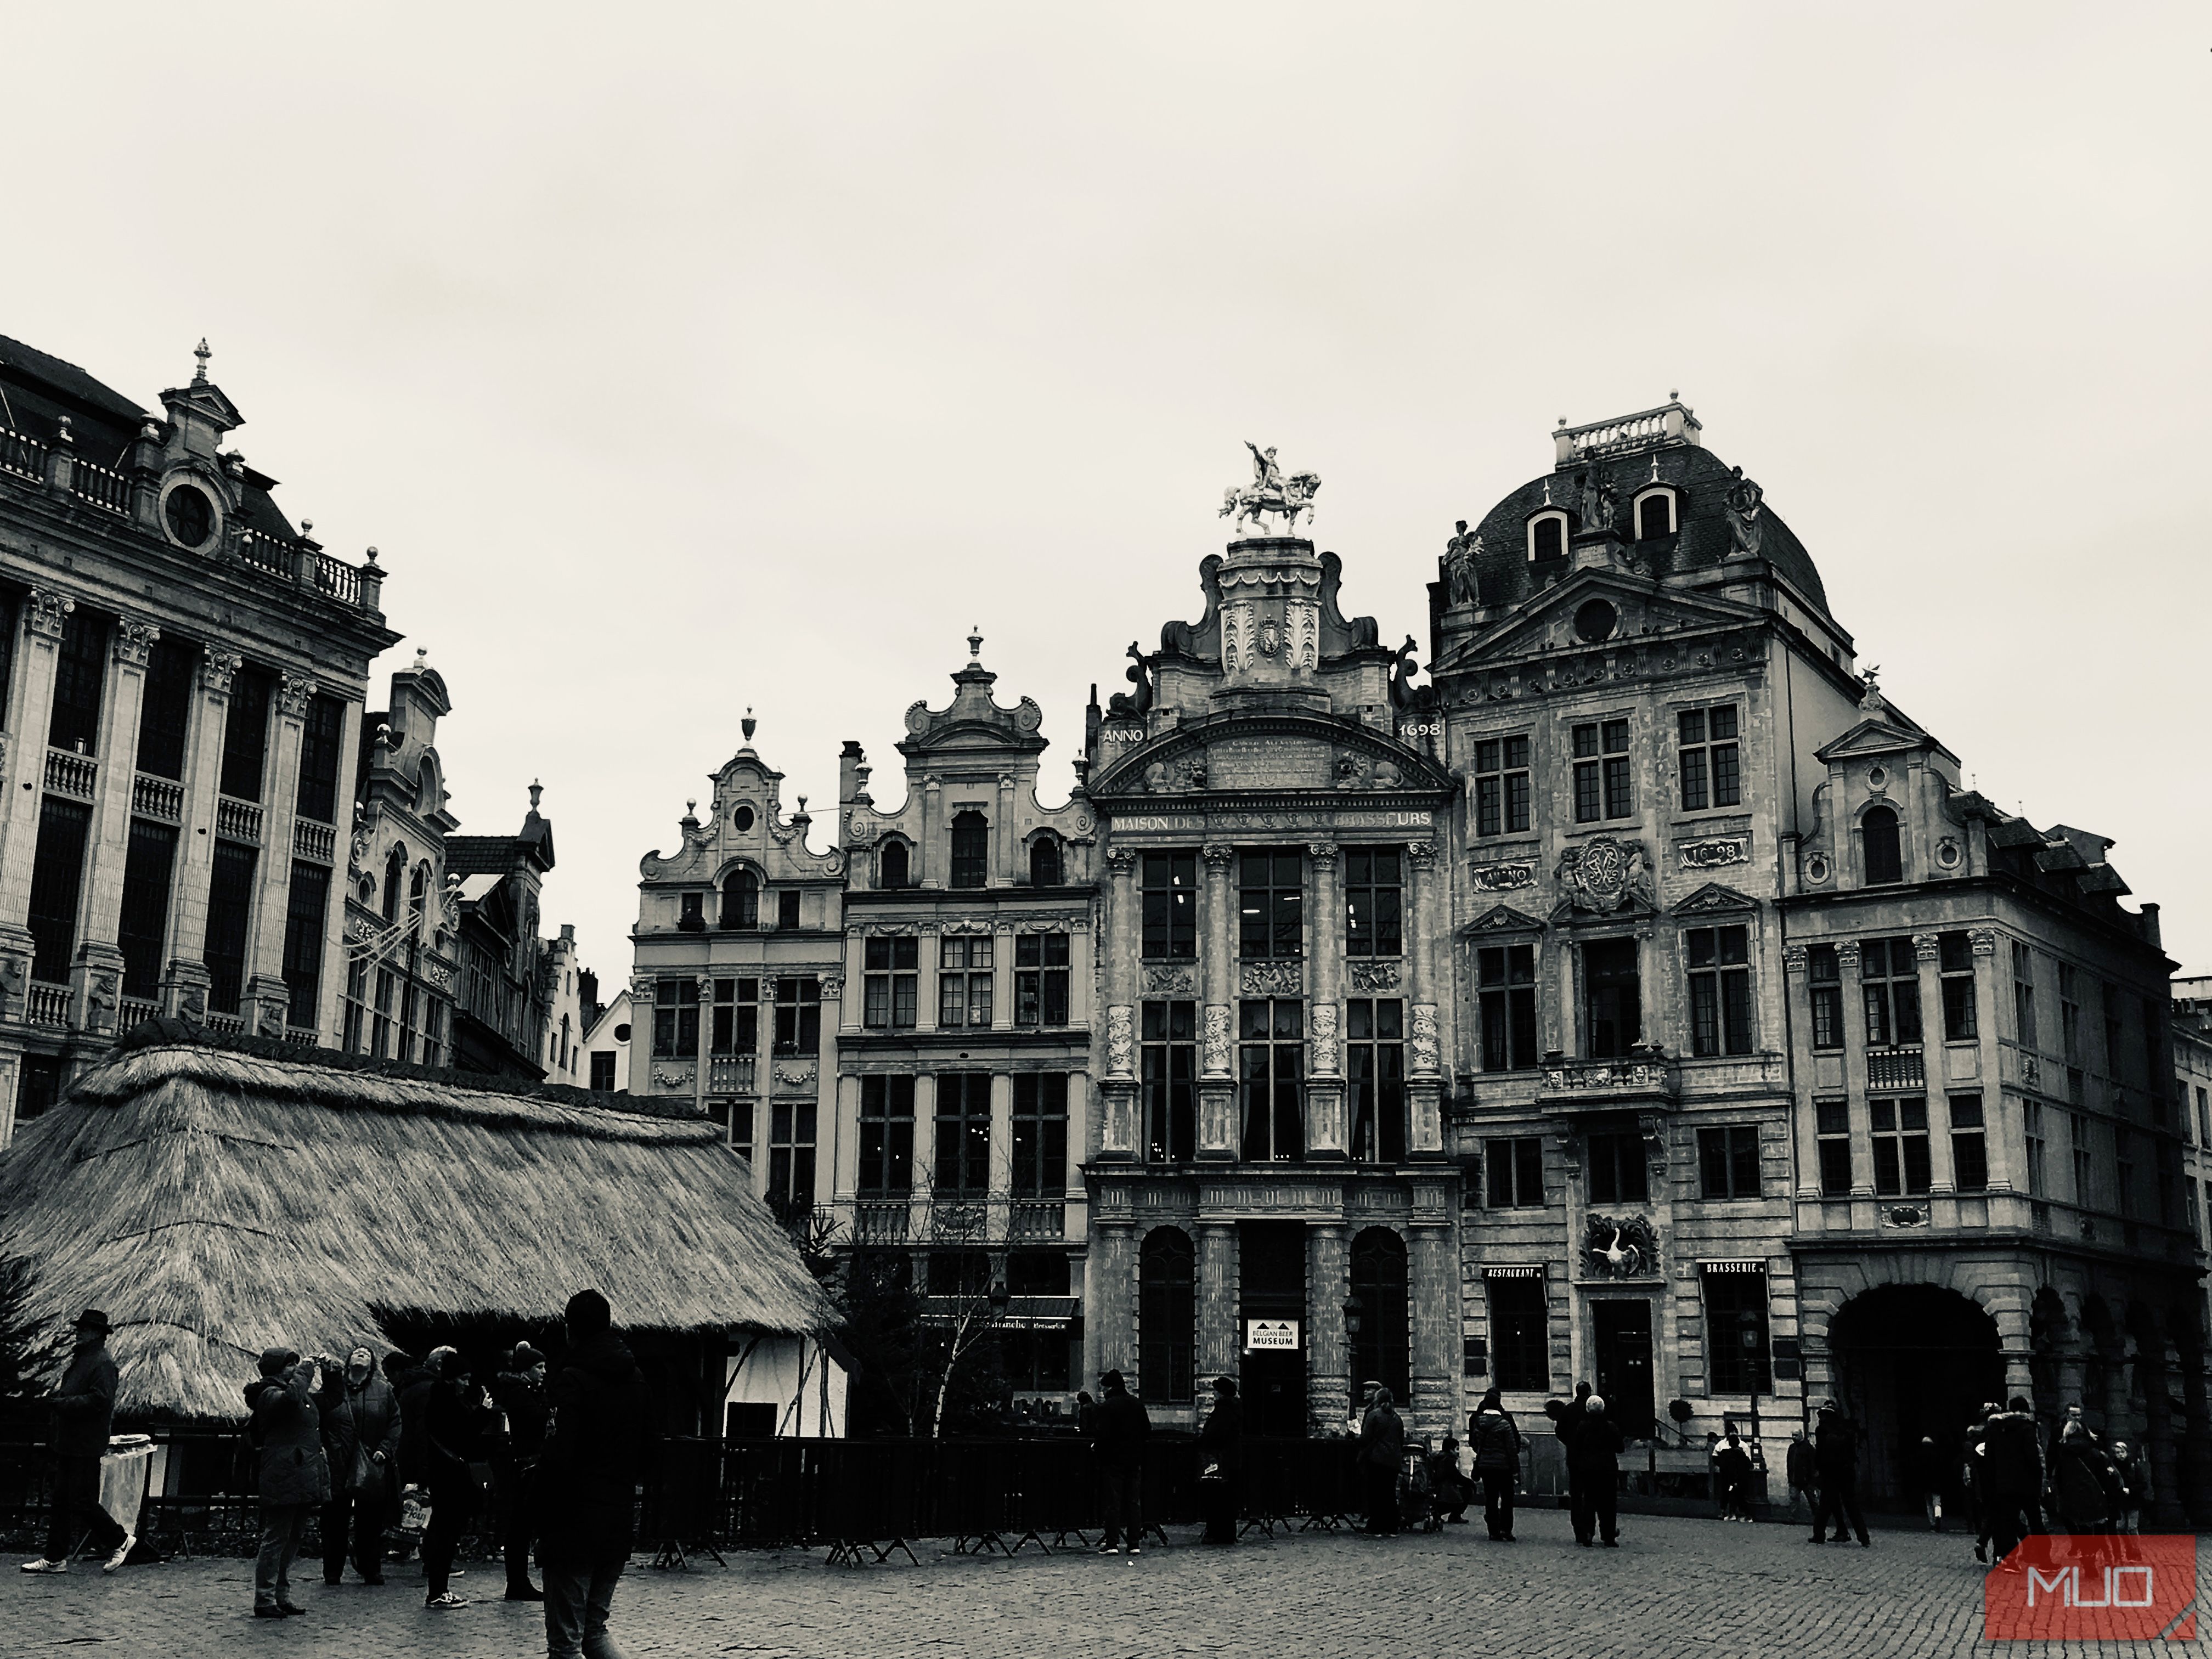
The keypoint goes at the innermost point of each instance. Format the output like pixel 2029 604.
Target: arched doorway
pixel 1912 1360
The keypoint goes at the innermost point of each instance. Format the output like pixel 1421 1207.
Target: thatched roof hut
pixel 217 1195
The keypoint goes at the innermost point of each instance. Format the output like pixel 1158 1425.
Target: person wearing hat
pixel 84 1406
pixel 518 1391
pixel 286 1431
pixel 1119 1429
pixel 1221 1462
pixel 587 1475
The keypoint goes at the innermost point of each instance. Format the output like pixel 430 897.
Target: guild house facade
pixel 1644 999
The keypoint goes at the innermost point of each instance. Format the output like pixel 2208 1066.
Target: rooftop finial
pixel 747 725
pixel 421 658
pixel 536 790
pixel 201 351
pixel 974 643
pixel 306 526
pixel 1673 396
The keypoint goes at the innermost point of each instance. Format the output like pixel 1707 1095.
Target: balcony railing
pixel 157 797
pixel 74 775
pixel 1892 1070
pixel 228 1024
pixel 47 1005
pixel 879 1221
pixel 1032 1219
pixel 306 1035
pixel 1628 1079
pixel 100 486
pixel 238 820
pixel 316 842
pixel 1668 423
pixel 730 1074
pixel 135 1010
pixel 266 552
pixel 22 455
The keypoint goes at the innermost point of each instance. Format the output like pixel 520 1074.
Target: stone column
pixel 1110 1324
pixel 1328 1357
pixel 1006 841
pixel 1943 1177
pixel 1854 1083
pixel 329 1018
pixel 269 997
pixel 932 839
pixel 22 777
pixel 1432 1273
pixel 1217 1134
pixel 1425 1069
pixel 185 980
pixel 702 1064
pixel 1218 1349
pixel 97 975
pixel 1328 1133
pixel 1001 1199
pixel 1118 943
pixel 1804 1164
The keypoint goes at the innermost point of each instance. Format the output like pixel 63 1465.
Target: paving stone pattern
pixel 1675 1586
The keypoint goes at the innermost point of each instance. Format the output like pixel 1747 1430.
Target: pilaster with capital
pixel 1328 1361
pixel 1424 1065
pixel 30 713
pixel 279 799
pixel 1117 942
pixel 1218 1346
pixel 1108 1291
pixel 1326 1126
pixel 203 778
pixel 124 703
pixel 1216 1088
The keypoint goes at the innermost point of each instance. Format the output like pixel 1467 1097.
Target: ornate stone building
pixel 738 973
pixel 185 674
pixel 1787 1067
pixel 1270 1189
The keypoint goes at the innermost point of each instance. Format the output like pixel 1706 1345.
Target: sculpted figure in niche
pixel 1139 676
pixel 1600 503
pixel 1744 501
pixel 1462 586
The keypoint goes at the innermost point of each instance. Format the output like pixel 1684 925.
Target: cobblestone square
pixel 1675 1586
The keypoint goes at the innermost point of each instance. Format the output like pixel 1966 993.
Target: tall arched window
pixel 395 870
pixel 971 849
pixel 1044 862
pixel 1885 859
pixel 1382 1349
pixel 418 890
pixel 1655 514
pixel 1548 537
pixel 741 899
pixel 891 870
pixel 1167 1316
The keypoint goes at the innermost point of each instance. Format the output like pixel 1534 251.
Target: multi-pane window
pixel 80 674
pixel 1508 996
pixel 1170 900
pixel 675 1018
pixel 1170 1059
pixel 1167 1316
pixel 1271 1056
pixel 1040 979
pixel 1889 978
pixel 1825 974
pixel 165 719
pixel 1501 787
pixel 888 995
pixel 692 912
pixel 246 734
pixel 1372 900
pixel 322 741
pixel 1044 862
pixel 1884 849
pixel 1720 990
pixel 735 1028
pixel 306 909
pixel 356 1007
pixel 964 980
pixel 1271 897
pixel 1602 782
pixel 1832 1123
pixel 1040 1135
pixel 786 910
pixel 1613 997
pixel 1955 962
pixel 971 849
pixel 1515 1172
pixel 2085 1168
pixel 2070 1012
pixel 434 1032
pixel 409 1010
pixel 2031 1115
pixel 1618 1172
pixel 741 1113
pixel 741 899
pixel 149 865
pixel 1520 1344
pixel 893 866
pixel 1970 1151
pixel 1728 1161
pixel 799 1015
pixel 791 1155
pixel 886 1137
pixel 1900 1145
pixel 1712 774
pixel 1735 1334
pixel 2023 995
pixel 230 914
pixel 603 1072
pixel 2123 1170
pixel 379 1022
pixel 963 1134
pixel 1375 1063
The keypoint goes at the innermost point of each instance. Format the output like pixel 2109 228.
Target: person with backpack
pixel 1495 1439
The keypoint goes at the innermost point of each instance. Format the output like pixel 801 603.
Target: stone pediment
pixel 1875 736
pixel 1713 899
pixel 1551 620
pixel 1277 753
pixel 1502 919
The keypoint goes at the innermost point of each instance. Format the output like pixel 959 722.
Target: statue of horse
pixel 1240 503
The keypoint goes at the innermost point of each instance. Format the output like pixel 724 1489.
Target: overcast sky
pixel 679 359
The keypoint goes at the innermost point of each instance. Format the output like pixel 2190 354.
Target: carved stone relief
pixel 1216 1055
pixel 1325 1039
pixel 1373 975
pixel 1169 981
pixel 1121 1041
pixel 1271 979
pixel 1428 1047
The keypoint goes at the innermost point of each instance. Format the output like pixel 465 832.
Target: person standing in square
pixel 83 1406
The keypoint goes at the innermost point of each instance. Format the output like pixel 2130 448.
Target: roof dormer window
pixel 1548 537
pixel 1655 513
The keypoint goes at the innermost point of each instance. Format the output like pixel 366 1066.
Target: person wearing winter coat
pixel 1449 1492
pixel 285 1430
pixel 1836 1456
pixel 1594 1445
pixel 1221 1462
pixel 82 1405
pixel 1930 1470
pixel 1382 1455
pixel 455 1414
pixel 361 1439
pixel 519 1392
pixel 2009 1476
pixel 588 1471
pixel 1732 1473
pixel 1119 1429
pixel 1802 1473
pixel 2087 1488
pixel 2135 1484
pixel 1495 1439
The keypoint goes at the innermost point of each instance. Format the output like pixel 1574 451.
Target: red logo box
pixel 2093 1588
